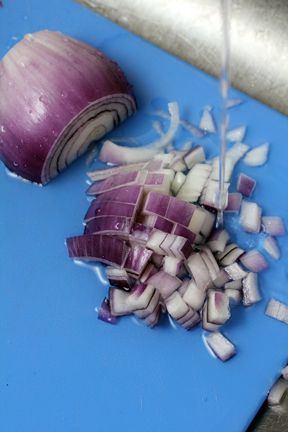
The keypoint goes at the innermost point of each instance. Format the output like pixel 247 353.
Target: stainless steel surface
pixel 191 29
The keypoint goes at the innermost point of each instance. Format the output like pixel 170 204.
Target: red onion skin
pixel 54 78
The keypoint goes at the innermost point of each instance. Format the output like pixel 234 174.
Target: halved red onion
pixel 250 217
pixel 195 181
pixel 218 311
pixel 277 310
pixel 220 345
pixel 237 134
pixel 78 96
pixel 194 156
pixel 235 271
pixel 193 295
pixel 104 313
pixel 234 202
pixel 270 245
pixel 274 225
pixel 198 269
pixel 257 156
pixel 218 239
pixel 178 182
pixel 207 122
pixel 164 283
pixel 251 294
pixel 119 278
pixel 172 265
pixel 277 392
pixel 254 261
pixel 245 185
pixel 230 254
pixel 109 250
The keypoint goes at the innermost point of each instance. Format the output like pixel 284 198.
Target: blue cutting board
pixel 61 369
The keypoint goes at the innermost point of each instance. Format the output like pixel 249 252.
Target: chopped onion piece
pixel 234 202
pixel 210 266
pixel 231 103
pixel 182 231
pixel 163 224
pixel 250 217
pixel 153 319
pixel 116 181
pixel 104 313
pixel 178 182
pixel 155 240
pixel 198 220
pixel 230 254
pixel 193 295
pixel 254 261
pixel 218 311
pixel 206 325
pixel 194 183
pixel 137 259
pixel 277 310
pixel 234 296
pixel 122 169
pixel 221 279
pixel 110 208
pixel 172 265
pixel 271 247
pixel 119 278
pixel 218 240
pixel 277 392
pixel 234 284
pixel 164 283
pixel 210 194
pixel 198 269
pixel 257 156
pixel 274 225
pixel 183 287
pixel 109 250
pixel 119 302
pixel 207 123
pixel 236 135
pixel 235 271
pixel 149 271
pixel 233 155
pixel 176 307
pixel 194 156
pixel 157 260
pixel 150 308
pixel 141 297
pixel 251 293
pixel 116 225
pixel 220 345
pixel 245 185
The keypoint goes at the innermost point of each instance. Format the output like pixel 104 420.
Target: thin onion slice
pixel 257 156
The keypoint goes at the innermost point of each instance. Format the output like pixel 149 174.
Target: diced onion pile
pixel 153 224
